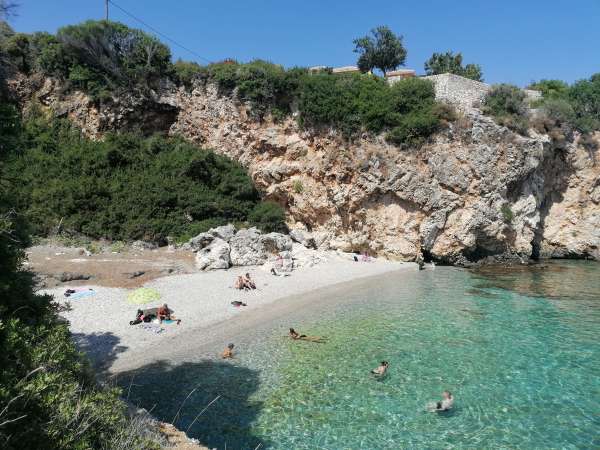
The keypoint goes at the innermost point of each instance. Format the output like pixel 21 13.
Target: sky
pixel 513 41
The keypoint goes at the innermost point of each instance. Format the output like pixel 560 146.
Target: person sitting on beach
pixel 228 352
pixel 446 403
pixel 302 337
pixel 164 313
pixel 239 283
pixel 248 282
pixel 381 369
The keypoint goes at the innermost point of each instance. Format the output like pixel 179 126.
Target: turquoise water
pixel 519 349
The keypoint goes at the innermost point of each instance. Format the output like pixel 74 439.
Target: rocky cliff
pixel 476 190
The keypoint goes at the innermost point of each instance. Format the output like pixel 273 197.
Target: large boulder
pixel 303 237
pixel 247 249
pixel 224 232
pixel 200 241
pixel 276 242
pixel 214 256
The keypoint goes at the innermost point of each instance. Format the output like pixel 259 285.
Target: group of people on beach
pixel 159 314
pixel 244 283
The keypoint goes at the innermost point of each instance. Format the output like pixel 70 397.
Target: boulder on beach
pixel 224 232
pixel 303 237
pixel 249 247
pixel 214 256
pixel 200 241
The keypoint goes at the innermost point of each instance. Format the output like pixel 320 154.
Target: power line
pixel 158 32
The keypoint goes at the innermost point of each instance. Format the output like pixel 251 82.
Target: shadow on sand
pixel 179 393
pixel 101 348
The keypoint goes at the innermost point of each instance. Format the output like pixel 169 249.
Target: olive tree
pixel 381 50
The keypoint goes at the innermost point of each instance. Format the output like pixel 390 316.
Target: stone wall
pixel 459 91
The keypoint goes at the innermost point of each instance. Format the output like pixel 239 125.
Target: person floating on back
pixel 228 352
pixel 381 369
pixel 302 337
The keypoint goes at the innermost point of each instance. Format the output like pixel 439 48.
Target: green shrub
pixel 550 88
pixel 450 62
pixel 507 213
pixel 269 217
pixel 125 187
pixel 506 103
pixel 297 187
pixel 186 72
pixel 49 397
pixel 584 96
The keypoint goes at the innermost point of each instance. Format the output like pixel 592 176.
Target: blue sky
pixel 513 41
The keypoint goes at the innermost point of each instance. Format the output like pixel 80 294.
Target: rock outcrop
pixel 475 190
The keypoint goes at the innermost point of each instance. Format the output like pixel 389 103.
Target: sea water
pixel 519 348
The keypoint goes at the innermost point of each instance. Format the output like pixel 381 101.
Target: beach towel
pixel 143 295
pixel 152 327
pixel 82 294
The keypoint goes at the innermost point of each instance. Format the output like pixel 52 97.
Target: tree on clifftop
pixel 452 63
pixel 382 50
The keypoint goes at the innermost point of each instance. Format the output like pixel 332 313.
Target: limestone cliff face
pixel 475 190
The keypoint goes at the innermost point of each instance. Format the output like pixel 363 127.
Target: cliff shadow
pixel 101 348
pixel 210 400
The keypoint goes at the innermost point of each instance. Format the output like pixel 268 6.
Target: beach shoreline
pixel 100 323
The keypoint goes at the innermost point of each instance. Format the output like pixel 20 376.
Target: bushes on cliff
pixel 506 103
pixel 48 395
pixel 452 63
pixel 127 187
pixel 100 57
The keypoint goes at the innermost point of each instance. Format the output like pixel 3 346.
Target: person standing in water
pixel 381 369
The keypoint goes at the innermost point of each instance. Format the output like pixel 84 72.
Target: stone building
pixel 400 74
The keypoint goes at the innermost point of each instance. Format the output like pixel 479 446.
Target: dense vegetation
pixel 350 103
pixel 452 63
pixel 506 103
pixel 106 58
pixel 562 110
pixel 128 187
pixel 49 397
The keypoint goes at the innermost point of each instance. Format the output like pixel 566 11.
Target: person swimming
pixel 381 369
pixel 228 352
pixel 446 403
pixel 303 337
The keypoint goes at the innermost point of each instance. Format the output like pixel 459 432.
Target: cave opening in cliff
pixel 427 256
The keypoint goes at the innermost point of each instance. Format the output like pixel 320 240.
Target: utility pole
pixel 106 9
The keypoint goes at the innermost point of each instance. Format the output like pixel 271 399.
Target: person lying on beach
pixel 237 303
pixel 228 352
pixel 302 337
pixel 275 273
pixel 248 282
pixel 445 405
pixel 381 369
pixel 139 317
pixel 164 313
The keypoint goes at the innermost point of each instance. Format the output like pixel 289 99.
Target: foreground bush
pixel 127 187
pixel 49 398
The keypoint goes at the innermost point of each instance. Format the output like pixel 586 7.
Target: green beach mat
pixel 142 296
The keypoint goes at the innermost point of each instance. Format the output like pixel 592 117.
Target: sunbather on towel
pixel 164 313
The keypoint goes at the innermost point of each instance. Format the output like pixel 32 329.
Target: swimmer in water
pixel 381 369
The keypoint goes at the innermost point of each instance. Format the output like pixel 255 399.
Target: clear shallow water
pixel 520 349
